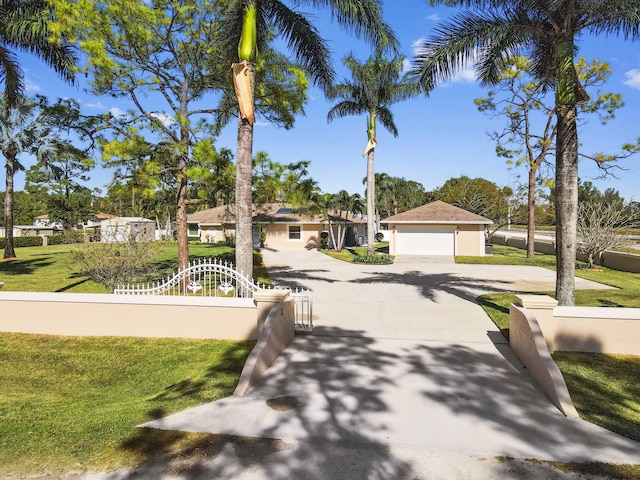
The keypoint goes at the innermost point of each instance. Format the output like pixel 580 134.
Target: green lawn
pixel 50 269
pixel 605 388
pixel 73 403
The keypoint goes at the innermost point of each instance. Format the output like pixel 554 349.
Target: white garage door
pixel 425 240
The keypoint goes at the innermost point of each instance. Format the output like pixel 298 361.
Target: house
pixel 122 229
pixel 274 226
pixel 437 228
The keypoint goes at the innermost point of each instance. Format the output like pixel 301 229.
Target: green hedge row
pixel 36 240
pixel 65 238
pixel 23 242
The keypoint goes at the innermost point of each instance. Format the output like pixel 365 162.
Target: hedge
pixel 65 238
pixel 32 241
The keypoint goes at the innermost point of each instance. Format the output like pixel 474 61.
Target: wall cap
pixel 542 302
pixel 265 295
pixel 609 313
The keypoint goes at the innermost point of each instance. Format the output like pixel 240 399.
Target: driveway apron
pixel 402 359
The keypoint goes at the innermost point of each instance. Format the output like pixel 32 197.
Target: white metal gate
pixel 215 278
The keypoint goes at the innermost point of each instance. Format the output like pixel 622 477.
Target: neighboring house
pixel 122 229
pixel 437 228
pixel 277 225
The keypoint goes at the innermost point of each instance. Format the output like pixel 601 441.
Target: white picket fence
pixel 216 278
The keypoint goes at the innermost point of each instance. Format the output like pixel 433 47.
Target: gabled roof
pixel 266 213
pixel 438 212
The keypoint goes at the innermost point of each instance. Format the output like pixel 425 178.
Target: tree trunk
pixel 371 198
pixel 9 251
pixel 531 206
pixel 181 221
pixel 566 203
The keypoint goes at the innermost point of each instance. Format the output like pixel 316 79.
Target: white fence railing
pixel 215 278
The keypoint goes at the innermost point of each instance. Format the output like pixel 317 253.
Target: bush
pixel 32 241
pixel 377 259
pixel 117 263
pixel 66 238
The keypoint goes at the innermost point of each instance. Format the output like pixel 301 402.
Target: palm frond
pixel 345 108
pixel 304 40
pixel 361 17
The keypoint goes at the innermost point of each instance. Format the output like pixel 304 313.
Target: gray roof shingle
pixel 438 212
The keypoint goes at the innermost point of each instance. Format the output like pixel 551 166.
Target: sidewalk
pixel 404 376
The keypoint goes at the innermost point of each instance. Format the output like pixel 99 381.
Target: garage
pixel 418 239
pixel 437 229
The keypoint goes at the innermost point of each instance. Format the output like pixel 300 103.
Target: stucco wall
pixel 276 334
pixel 624 262
pixel 527 341
pixel 276 236
pixel 133 316
pixel 470 240
pixel 585 329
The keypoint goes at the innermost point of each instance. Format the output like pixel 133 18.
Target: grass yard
pixel 50 269
pixel 71 404
pixel 605 388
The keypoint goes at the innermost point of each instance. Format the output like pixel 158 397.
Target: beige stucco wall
pixel 625 262
pixel 276 236
pixel 214 233
pixel 585 329
pixel 528 343
pixel 470 240
pixel 132 316
pixel 275 335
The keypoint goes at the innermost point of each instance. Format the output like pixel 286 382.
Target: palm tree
pixel 546 32
pixel 23 132
pixel 24 26
pixel 375 86
pixel 249 25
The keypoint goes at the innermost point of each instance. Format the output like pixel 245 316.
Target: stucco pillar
pixel 265 299
pixel 541 306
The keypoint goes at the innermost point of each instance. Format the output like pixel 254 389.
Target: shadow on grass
pixel 619 395
pixel 24 267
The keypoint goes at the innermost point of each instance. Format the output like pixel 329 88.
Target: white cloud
pixel 406 65
pixel 467 75
pixel 29 86
pixel 165 119
pixel 117 113
pixel 632 78
pixel 99 105
pixel 415 46
pixel 434 17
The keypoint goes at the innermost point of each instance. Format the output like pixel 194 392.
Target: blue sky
pixel 440 136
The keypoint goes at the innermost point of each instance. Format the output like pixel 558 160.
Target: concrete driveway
pixel 404 376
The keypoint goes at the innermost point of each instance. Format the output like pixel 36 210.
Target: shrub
pixel 117 263
pixel 32 241
pixel 377 259
pixel 66 238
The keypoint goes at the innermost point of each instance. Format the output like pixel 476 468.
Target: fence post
pixel 265 299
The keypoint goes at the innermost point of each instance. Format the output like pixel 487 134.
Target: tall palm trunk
pixel 568 94
pixel 371 196
pixel 9 251
pixel 244 170
pixel 566 204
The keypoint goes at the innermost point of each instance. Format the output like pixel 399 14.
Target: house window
pixel 193 229
pixel 294 232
